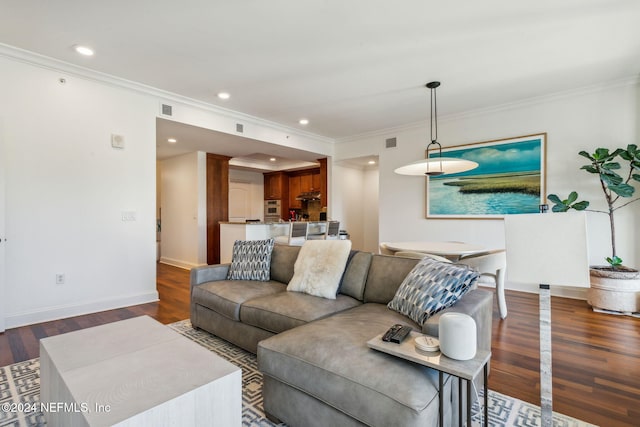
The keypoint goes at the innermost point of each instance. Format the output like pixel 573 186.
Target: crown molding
pixel 48 63
pixel 584 90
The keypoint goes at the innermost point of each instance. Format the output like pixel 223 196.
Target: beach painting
pixel 510 179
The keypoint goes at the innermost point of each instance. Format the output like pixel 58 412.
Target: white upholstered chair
pixel 420 255
pixel 491 265
pixel 384 249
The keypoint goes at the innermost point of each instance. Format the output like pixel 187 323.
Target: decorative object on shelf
pixel 434 166
pixel 457 334
pixel 427 343
pixel 510 179
pixel 614 287
pixel 536 254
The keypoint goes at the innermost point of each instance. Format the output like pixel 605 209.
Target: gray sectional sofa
pixel 312 352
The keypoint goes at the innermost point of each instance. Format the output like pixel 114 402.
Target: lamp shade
pixel 549 248
pixel 445 165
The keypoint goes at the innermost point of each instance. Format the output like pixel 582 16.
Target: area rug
pixel 20 388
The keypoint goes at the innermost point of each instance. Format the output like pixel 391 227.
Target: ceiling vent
pixel 239 128
pixel 391 142
pixel 167 110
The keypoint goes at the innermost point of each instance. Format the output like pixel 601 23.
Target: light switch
pixel 129 215
pixel 117 141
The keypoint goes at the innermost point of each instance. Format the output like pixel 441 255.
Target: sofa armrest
pixel 478 304
pixel 208 273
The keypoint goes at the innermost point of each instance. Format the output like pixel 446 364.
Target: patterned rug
pixel 20 388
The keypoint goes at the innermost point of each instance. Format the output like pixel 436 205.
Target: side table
pixel 466 370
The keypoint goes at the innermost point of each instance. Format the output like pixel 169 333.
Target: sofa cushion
pixel 385 275
pixel 286 310
pixel 226 296
pixel 251 260
pixel 329 360
pixel 283 259
pixel 355 275
pixel 431 287
pixel 319 267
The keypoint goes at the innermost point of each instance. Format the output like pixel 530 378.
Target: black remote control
pixel 400 334
pixel 391 332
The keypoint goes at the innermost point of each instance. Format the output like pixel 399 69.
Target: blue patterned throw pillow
pixel 251 260
pixel 430 287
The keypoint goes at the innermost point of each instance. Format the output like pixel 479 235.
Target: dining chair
pixel 296 236
pixel 491 265
pixel 384 249
pixel 298 233
pixel 420 255
pixel 333 231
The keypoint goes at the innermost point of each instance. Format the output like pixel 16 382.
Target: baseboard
pixel 556 291
pixel 178 263
pixel 61 312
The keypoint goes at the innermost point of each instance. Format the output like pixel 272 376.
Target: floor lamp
pixel 549 249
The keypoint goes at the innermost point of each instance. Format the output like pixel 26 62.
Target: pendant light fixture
pixel 434 166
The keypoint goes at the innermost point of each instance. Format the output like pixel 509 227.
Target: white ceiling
pixel 350 67
pixel 246 153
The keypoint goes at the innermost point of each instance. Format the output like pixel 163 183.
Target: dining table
pixel 449 250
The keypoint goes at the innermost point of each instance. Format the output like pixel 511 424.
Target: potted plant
pixel 613 287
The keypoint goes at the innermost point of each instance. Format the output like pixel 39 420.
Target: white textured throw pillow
pixel 319 267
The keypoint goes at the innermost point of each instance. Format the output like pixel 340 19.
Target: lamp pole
pixel 546 382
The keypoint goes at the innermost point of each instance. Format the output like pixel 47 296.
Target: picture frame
pixel 510 179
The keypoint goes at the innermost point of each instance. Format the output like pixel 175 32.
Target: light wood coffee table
pixel 136 372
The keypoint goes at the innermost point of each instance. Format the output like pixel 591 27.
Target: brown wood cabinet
pixel 305 183
pixel 274 185
pixel 286 186
pixel 315 181
pixel 294 191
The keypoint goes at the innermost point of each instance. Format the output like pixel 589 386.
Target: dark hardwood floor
pixel 596 357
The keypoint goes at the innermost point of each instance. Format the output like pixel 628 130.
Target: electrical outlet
pixel 59 278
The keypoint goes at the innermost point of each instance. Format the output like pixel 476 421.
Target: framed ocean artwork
pixel 510 179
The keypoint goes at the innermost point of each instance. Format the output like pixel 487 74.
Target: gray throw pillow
pixel 251 260
pixel 430 287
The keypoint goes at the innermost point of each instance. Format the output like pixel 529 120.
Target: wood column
pixel 217 203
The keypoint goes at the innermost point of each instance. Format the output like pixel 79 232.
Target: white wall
pixel 183 188
pixel 598 116
pixel 347 202
pixel 370 204
pixel 355 204
pixel 66 190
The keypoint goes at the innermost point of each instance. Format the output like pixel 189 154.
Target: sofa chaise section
pixel 323 373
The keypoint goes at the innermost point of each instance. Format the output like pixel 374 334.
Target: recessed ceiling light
pixel 273 159
pixel 172 140
pixel 224 95
pixel 304 121
pixel 83 50
pixel 372 162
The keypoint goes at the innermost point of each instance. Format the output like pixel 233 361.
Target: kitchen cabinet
pixel 294 191
pixel 274 186
pixel 306 183
pixel 315 181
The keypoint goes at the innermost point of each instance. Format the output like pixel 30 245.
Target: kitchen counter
pixel 232 231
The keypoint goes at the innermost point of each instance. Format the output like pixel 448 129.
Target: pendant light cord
pixel 434 115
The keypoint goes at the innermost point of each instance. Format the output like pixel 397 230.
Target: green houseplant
pixel 613 287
